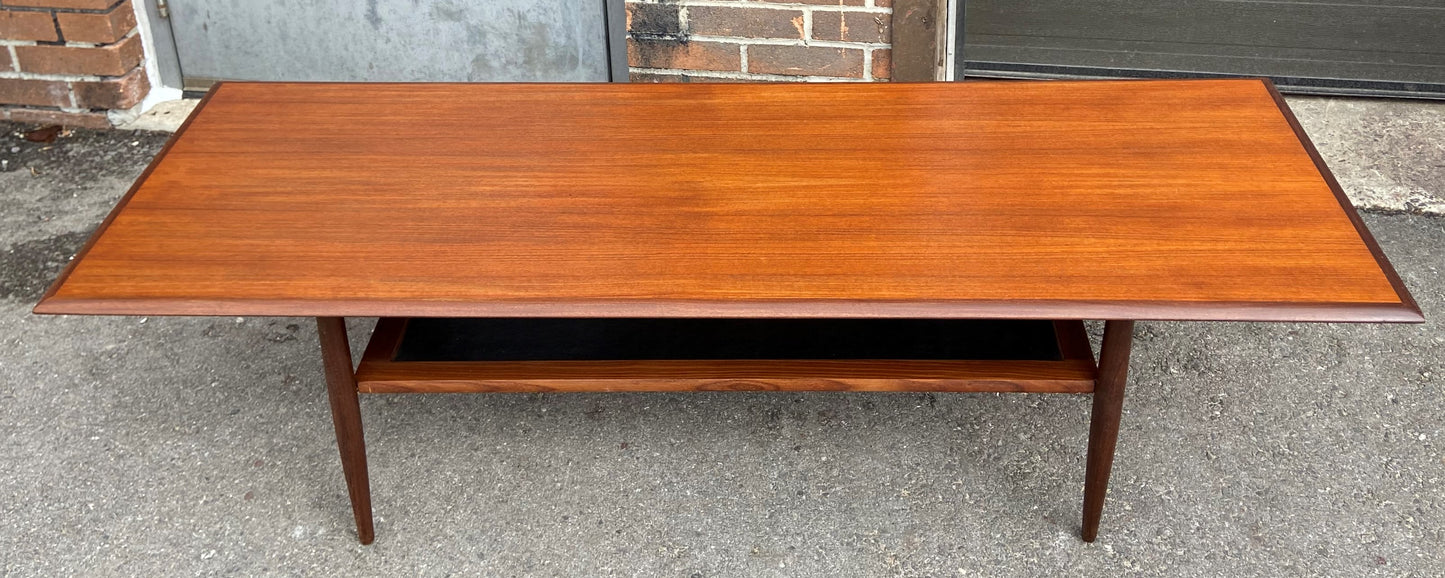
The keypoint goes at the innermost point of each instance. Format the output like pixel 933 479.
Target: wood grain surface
pixel 1121 200
pixel 728 375
pixel 1113 373
pixel 346 417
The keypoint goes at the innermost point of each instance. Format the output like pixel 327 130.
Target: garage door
pixel 1378 47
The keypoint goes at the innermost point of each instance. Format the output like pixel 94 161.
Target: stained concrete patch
pixel 1388 155
pixel 166 116
pixel 27 268
pixel 54 189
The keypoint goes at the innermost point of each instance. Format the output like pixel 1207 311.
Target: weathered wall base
pixel 736 40
pixel 70 62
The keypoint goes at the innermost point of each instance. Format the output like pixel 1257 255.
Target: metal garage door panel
pixel 390 40
pixel 1395 46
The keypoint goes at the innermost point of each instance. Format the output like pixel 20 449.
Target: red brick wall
pixel 758 40
pixel 69 61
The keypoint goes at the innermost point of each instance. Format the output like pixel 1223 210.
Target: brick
pixel 112 60
pixel 27 25
pixel 744 22
pixel 647 53
pixel 70 4
pixel 653 20
pixel 34 92
pixel 882 64
pixel 60 117
pixel 117 93
pixel 852 26
pixel 5 59
pixel 97 28
pixel 883 3
pixel 805 61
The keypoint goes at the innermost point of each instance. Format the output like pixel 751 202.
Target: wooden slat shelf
pixel 574 355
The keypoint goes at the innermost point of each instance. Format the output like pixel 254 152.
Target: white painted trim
pixel 951 37
pixel 782 6
pixel 789 42
pixel 159 92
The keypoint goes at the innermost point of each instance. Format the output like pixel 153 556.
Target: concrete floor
pixel 175 446
pixel 1389 155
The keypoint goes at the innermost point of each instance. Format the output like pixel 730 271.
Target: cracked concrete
pixel 1389 155
pixel 186 446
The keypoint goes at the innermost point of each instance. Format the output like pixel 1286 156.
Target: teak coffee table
pixel 612 237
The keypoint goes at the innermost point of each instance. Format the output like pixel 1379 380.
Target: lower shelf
pixel 429 355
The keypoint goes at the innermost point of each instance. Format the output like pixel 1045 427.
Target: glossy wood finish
pixel 1119 200
pixel 710 375
pixel 1405 297
pixel 346 416
pixel 1104 424
pixel 379 374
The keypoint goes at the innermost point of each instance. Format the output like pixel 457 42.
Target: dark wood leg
pixel 346 416
pixel 1104 426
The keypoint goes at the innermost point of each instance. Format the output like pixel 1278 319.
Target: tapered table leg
pixel 1104 425
pixel 346 416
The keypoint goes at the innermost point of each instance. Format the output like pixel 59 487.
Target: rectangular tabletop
pixel 1198 199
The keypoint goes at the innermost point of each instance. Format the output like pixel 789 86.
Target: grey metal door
pixel 1361 46
pixel 395 40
